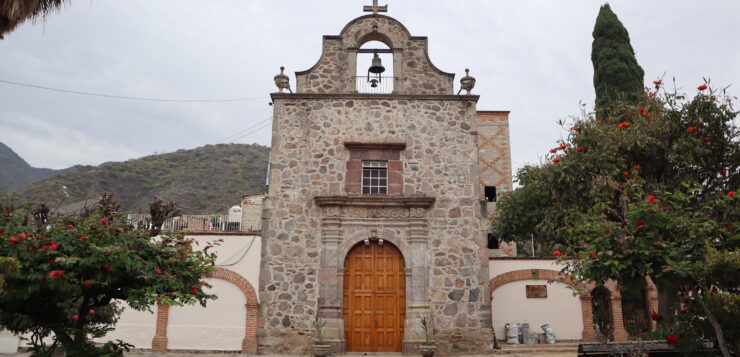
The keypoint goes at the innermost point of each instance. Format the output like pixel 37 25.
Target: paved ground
pixel 153 354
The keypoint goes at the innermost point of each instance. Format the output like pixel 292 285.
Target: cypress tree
pixel 616 72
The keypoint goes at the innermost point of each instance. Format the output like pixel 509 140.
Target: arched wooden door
pixel 374 298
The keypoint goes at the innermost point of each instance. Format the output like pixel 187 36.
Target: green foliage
pixel 76 274
pixel 643 189
pixel 319 324
pixel 616 71
pixel 198 179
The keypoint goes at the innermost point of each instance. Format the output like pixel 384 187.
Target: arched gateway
pixel 374 298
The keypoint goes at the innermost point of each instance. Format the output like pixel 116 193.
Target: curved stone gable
pixel 414 71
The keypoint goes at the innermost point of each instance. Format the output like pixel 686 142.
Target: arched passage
pixel 249 342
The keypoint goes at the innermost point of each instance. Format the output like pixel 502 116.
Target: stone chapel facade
pixel 376 212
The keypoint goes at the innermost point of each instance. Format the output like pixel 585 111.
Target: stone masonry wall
pixel 440 161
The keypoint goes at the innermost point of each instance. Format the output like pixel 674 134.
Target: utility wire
pixel 229 138
pixel 131 98
pixel 253 131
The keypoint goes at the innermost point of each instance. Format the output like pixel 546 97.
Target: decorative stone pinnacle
pixel 467 83
pixel 282 81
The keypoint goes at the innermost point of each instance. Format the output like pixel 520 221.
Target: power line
pixel 253 131
pixel 131 98
pixel 229 138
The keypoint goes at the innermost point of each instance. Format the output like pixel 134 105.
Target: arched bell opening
pixel 375 67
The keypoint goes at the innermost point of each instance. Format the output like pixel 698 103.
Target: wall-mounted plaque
pixel 536 291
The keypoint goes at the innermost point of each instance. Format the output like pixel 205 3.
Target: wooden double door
pixel 374 298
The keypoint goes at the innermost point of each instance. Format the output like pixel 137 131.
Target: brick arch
pixel 584 290
pixel 249 343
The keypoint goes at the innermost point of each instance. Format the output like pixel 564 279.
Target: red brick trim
pixel 353 145
pixel 159 342
pixel 249 343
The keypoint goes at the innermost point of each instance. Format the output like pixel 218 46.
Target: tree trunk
pixel 715 324
pixel 667 297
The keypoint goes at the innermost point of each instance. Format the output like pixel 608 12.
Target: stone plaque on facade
pixel 536 291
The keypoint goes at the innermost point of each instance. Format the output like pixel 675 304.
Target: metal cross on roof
pixel 375 9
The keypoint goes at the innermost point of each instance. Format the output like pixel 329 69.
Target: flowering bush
pixel 651 195
pixel 77 271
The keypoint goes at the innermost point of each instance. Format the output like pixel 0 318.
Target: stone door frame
pixel 378 218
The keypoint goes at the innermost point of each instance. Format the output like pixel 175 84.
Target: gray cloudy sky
pixel 531 57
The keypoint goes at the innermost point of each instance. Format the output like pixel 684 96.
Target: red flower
pixel 203 283
pixel 575 128
pixel 656 316
pixel 636 167
pixel 194 289
pixel 557 159
pixel 624 124
pixel 580 149
pixel 57 274
pixel 102 220
pixel 702 87
pixel 705 139
pixel 88 283
pixel 21 236
pixel 51 261
pixel 672 339
pixel 557 252
pixel 69 226
pixel 83 238
pixel 626 173
pixel 651 199
pixel 552 151
pixel 106 268
pixel 641 111
pixel 658 82
pixel 92 312
pixel 622 224
pixel 639 224
pixel 562 147
pixel 75 317
pixel 692 129
pixel 593 255
pixel 157 271
pixel 723 172
pixel 13 240
pixel 731 193
pixel 53 246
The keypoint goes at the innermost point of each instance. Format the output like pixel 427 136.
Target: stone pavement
pixel 174 354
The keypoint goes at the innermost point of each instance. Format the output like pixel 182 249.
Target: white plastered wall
pixel 219 326
pixel 561 309
pixel 195 327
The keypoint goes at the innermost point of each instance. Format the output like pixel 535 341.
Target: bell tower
pixel 375 215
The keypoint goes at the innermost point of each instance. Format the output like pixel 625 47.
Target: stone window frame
pixel 359 152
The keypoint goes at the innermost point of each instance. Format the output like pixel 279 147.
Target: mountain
pixel 16 172
pixel 205 180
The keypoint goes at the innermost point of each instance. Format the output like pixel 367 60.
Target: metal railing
pixel 372 85
pixel 193 223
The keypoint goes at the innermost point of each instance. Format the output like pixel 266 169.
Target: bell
pixel 376 66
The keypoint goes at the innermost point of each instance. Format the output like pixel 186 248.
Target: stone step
pixel 540 345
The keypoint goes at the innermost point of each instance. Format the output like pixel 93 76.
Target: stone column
pixel 249 343
pixel 618 331
pixel 589 333
pixel 331 278
pixel 417 281
pixel 159 342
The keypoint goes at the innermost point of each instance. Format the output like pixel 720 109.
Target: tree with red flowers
pixel 76 273
pixel 653 198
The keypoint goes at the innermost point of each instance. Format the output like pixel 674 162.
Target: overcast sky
pixel 530 57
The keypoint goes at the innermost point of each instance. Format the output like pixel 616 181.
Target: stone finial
pixel 282 81
pixel 467 83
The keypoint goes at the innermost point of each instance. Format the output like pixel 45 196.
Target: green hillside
pixel 16 172
pixel 205 180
